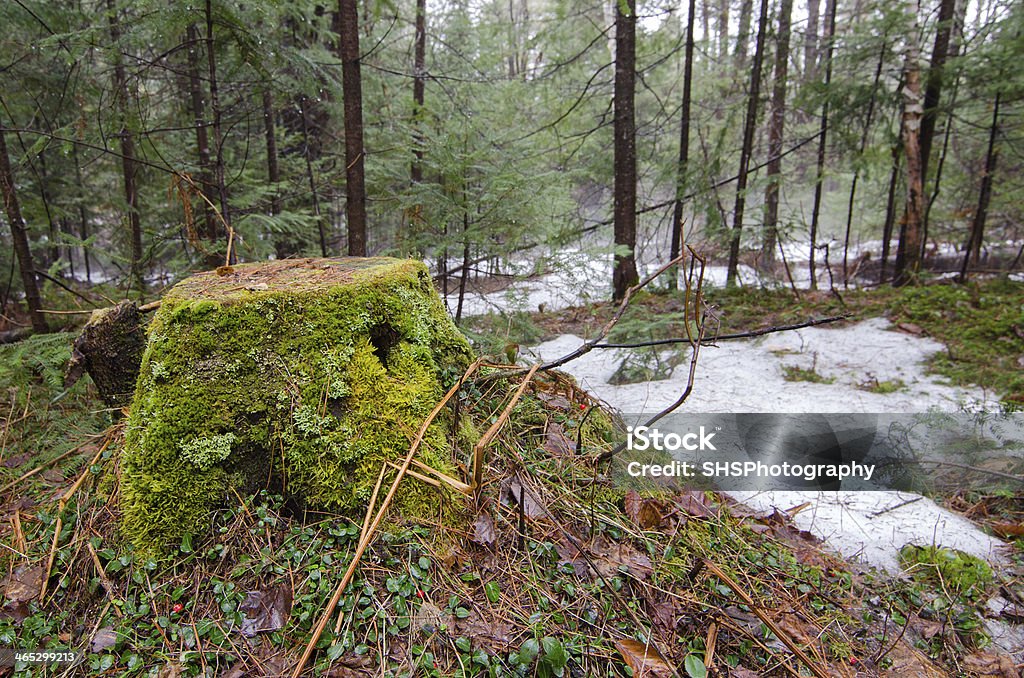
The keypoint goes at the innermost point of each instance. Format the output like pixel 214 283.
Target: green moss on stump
pixel 310 373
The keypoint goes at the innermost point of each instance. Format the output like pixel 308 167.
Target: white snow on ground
pixel 747 376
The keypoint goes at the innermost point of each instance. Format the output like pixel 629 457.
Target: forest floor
pixel 553 572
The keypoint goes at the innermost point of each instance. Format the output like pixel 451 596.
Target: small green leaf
pixel 463 644
pixel 493 591
pixel 694 666
pixel 528 651
pixel 554 653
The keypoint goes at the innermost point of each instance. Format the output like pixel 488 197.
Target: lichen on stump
pixel 308 373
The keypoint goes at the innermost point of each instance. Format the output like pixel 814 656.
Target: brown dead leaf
pixel 622 555
pixel 105 637
pixel 236 671
pixel 483 529
pixel 555 401
pixel 1008 530
pixel 557 442
pixel 15 611
pixel 695 503
pixel 516 492
pixel 429 618
pixel 665 613
pixel 278 665
pixel 351 666
pixel 265 610
pixel 53 476
pixel 646 513
pixel 24 583
pixel 910 328
pixel 169 670
pixel 988 664
pixel 908 662
pixel 16 460
pixel 740 672
pixel 928 628
pixel 796 629
pixel 491 633
pixel 645 660
pixel 568 554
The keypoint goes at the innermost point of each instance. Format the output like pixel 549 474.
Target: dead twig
pixel 766 620
pixel 586 347
pixel 60 509
pixel 726 337
pixel 105 582
pixel 698 341
pixel 485 440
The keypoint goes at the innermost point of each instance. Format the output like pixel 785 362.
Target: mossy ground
pixel 306 373
pixel 553 587
pixel 432 600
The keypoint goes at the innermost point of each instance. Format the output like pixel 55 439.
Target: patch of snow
pixel 874 526
pixel 748 376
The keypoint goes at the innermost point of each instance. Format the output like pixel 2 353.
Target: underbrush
pixel 549 570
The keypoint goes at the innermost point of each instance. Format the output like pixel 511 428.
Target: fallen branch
pixel 726 337
pixel 367 535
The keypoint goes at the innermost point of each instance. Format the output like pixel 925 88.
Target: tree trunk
pixel 313 192
pixel 749 125
pixel 218 137
pixel 776 130
pixel 723 28
pixel 984 195
pixel 953 40
pixel 624 274
pixel 830 31
pixel 933 87
pixel 890 211
pixel 20 237
pixel 195 87
pixel 811 43
pixel 128 165
pixel 746 9
pixel 418 90
pixel 684 147
pixel 863 147
pixel 83 218
pixel 908 256
pixel 352 91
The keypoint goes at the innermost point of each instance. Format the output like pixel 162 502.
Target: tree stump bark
pixel 110 349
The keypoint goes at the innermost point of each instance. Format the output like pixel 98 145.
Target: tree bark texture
pixel 624 274
pixel 19 234
pixel 749 126
pixel 352 92
pixel 776 134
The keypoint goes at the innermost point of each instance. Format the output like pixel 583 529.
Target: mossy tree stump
pixel 304 375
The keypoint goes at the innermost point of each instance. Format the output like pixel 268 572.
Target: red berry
pixel 178 607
